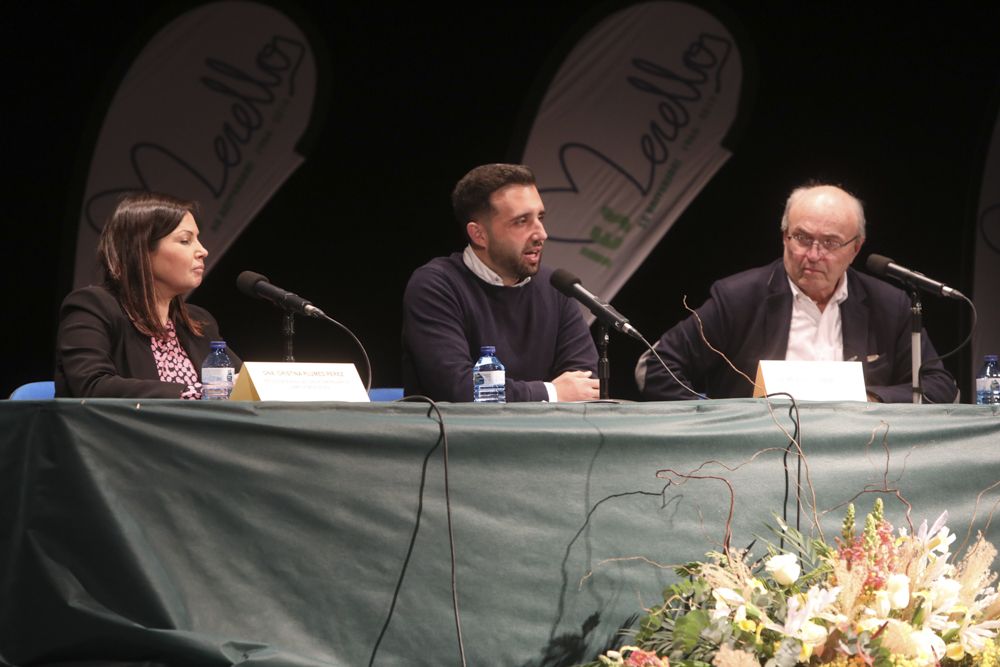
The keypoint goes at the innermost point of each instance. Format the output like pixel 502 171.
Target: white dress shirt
pixel 485 273
pixel 816 335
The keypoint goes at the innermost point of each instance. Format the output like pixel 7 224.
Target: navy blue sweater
pixel 448 313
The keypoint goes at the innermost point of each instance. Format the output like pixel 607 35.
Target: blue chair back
pixel 34 391
pixel 383 394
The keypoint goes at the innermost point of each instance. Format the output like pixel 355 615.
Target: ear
pixel 477 233
pixel 857 247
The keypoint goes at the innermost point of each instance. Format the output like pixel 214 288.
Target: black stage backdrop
pixel 896 103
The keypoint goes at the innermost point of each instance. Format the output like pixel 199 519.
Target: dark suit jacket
pixel 100 354
pixel 747 317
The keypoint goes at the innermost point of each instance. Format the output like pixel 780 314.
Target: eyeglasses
pixel 806 242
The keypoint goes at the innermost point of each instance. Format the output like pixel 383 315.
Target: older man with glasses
pixel 810 305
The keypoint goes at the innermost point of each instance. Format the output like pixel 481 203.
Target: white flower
pixel 816 603
pixel 612 659
pixel 728 595
pixel 974 637
pixel 728 601
pixel 897 589
pixel 930 648
pixel 811 635
pixel 942 541
pixel 870 624
pixel 784 568
pixel 725 600
pixel 882 607
pixel 940 603
pixel 924 533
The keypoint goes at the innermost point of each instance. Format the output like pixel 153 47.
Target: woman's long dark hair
pixel 127 240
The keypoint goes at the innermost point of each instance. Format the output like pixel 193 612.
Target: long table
pixel 187 533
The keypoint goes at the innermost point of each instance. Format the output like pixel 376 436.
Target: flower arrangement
pixel 878 599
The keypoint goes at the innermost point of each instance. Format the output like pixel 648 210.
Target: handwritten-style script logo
pixel 675 96
pixel 253 94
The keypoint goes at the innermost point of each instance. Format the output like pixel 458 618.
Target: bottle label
pixel 489 378
pixel 216 376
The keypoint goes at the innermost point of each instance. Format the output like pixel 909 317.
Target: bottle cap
pixel 487 350
pixel 218 344
pixel 990 357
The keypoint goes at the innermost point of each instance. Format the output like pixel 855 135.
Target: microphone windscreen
pixel 563 281
pixel 878 264
pixel 246 281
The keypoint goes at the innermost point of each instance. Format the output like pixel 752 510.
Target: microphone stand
pixel 603 364
pixel 288 331
pixel 915 328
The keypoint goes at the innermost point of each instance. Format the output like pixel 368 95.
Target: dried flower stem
pixel 770 407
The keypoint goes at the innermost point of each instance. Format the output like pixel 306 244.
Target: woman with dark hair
pixel 134 336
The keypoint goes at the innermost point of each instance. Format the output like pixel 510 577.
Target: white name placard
pixel 286 381
pixel 812 380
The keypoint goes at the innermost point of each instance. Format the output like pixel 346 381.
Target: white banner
pixel 986 280
pixel 629 131
pixel 211 110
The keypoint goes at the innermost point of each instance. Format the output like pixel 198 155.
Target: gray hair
pixel 799 192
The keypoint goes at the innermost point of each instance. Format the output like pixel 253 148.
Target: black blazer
pixel 100 353
pixel 748 316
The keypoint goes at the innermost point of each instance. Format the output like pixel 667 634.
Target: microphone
pixel 568 284
pixel 255 285
pixel 882 266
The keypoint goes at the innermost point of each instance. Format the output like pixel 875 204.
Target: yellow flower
pixel 955 651
pixel 990 656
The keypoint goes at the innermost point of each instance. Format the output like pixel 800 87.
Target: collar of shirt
pixel 816 335
pixel 488 275
pixel 485 273
pixel 838 297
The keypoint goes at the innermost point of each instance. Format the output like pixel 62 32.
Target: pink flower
pixel 640 658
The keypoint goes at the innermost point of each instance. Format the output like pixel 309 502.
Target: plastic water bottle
pixel 988 382
pixel 489 377
pixel 217 373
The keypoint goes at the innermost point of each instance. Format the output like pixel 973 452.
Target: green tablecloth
pixel 186 533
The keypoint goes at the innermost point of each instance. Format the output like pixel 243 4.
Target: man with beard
pixel 496 293
pixel 808 306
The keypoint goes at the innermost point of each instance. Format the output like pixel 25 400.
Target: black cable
pixel 442 439
pixel 972 330
pixel 368 365
pixel 793 408
pixel 667 368
pixel 563 567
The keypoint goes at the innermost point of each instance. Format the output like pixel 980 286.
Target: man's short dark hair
pixel 471 197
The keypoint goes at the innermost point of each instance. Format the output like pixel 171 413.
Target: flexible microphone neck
pixel 258 286
pixel 884 267
pixel 570 285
